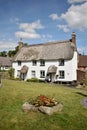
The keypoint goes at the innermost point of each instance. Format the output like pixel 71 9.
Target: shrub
pixel 42 81
pixel 43 100
pixel 85 83
pixel 19 79
pixel 33 80
pixel 11 73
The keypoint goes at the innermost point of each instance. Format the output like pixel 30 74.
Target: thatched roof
pixel 24 69
pixel 52 69
pixel 48 51
pixel 5 61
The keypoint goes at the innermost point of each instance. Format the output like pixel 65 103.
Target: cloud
pixel 63 27
pixel 27 35
pixel 76 16
pixel 76 1
pixel 9 45
pixel 82 50
pixel 29 30
pixel 54 16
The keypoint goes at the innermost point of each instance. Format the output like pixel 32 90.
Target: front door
pixel 51 77
pixel 23 75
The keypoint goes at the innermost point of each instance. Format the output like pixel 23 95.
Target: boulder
pixel 51 110
pixel 58 108
pixel 44 109
pixel 28 107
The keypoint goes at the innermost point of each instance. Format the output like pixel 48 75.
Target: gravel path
pixel 84 102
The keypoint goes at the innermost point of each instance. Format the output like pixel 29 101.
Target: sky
pixel 42 21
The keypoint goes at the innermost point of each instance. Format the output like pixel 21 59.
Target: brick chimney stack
pixel 74 38
pixel 20 43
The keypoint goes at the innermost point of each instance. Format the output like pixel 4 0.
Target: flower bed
pixel 43 104
pixel 43 100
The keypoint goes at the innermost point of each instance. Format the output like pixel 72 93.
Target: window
pixel 34 62
pixel 6 67
pixel 42 74
pixel 61 74
pixel 19 63
pixel 61 62
pixel 42 63
pixel 33 74
pixel 18 73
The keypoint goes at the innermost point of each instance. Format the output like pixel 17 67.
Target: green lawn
pixel 14 93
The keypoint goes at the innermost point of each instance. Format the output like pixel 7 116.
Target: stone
pixel 51 110
pixel 57 108
pixel 84 102
pixel 44 109
pixel 28 107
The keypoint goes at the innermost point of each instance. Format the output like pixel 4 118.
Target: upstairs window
pixel 19 63
pixel 42 63
pixel 34 62
pixel 61 62
pixel 61 74
pixel 42 74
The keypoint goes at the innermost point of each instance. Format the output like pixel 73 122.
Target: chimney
pixel 74 38
pixel 20 43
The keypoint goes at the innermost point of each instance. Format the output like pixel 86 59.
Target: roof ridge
pixel 48 43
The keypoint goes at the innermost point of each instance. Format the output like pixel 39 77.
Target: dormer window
pixel 42 63
pixel 61 62
pixel 34 62
pixel 19 63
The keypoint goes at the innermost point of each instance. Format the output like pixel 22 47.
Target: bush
pixel 85 83
pixel 11 73
pixel 43 100
pixel 18 79
pixel 42 81
pixel 33 80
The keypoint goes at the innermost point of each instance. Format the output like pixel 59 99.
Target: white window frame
pixel 33 74
pixel 34 63
pixel 19 63
pixel 61 62
pixel 61 74
pixel 18 73
pixel 42 74
pixel 42 63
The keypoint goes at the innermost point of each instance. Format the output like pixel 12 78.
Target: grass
pixel 14 93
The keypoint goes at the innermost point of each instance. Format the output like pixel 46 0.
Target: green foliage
pixel 33 80
pixel 43 100
pixel 19 79
pixel 85 83
pixel 11 53
pixel 3 53
pixel 11 73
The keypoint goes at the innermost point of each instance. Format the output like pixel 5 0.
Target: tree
pixel 11 53
pixel 3 53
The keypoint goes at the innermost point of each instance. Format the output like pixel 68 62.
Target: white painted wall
pixel 70 68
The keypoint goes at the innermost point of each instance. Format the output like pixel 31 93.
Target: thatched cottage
pixel 5 63
pixel 53 61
